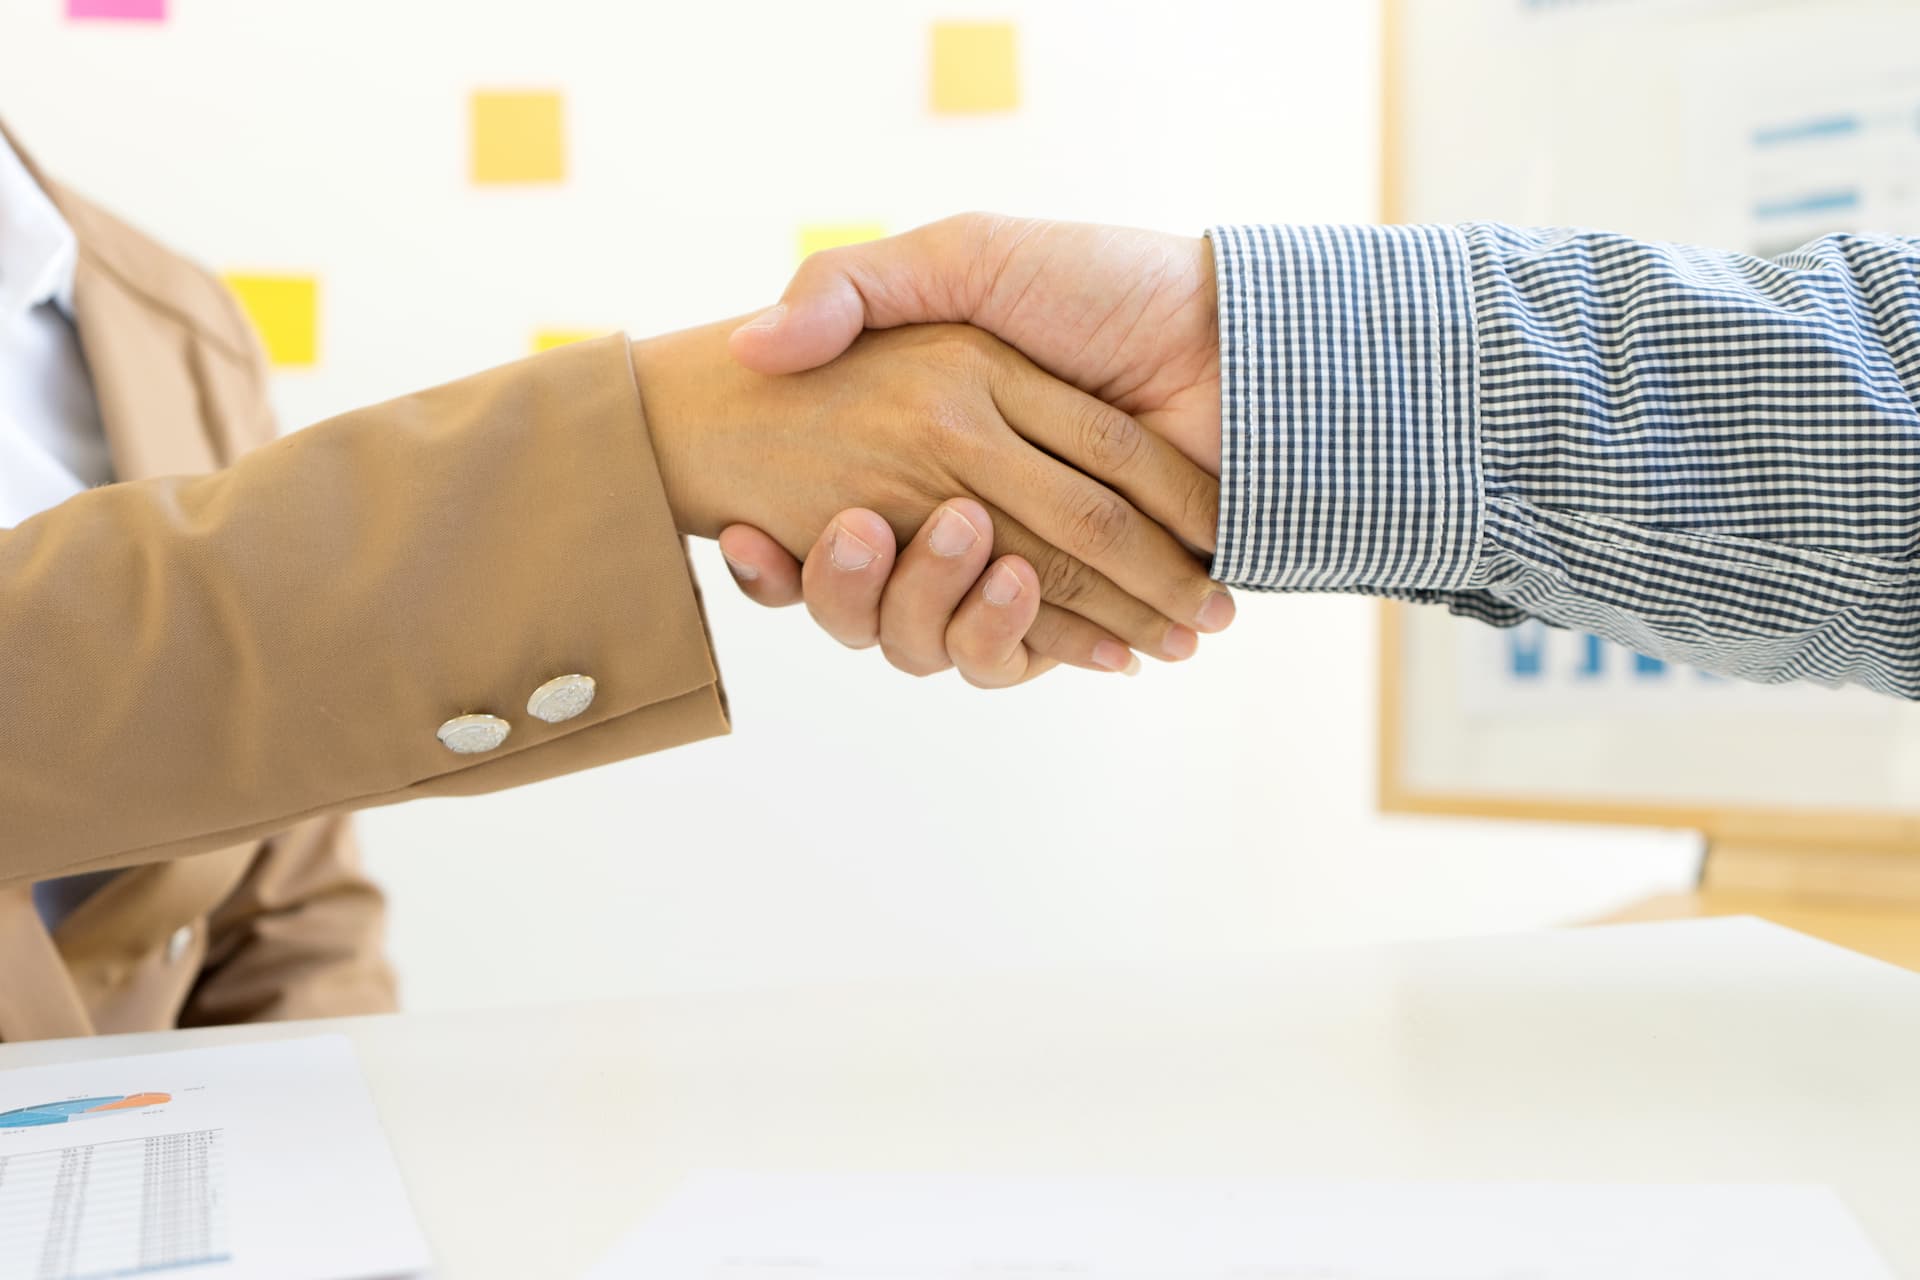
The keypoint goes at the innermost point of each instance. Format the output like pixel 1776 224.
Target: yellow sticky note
pixel 548 339
pixel 285 311
pixel 518 137
pixel 831 236
pixel 974 71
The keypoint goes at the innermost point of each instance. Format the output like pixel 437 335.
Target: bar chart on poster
pixel 234 1163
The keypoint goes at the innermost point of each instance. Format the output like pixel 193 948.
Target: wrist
pixel 1210 412
pixel 680 401
pixel 1184 399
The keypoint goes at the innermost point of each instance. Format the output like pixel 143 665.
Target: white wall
pixel 857 822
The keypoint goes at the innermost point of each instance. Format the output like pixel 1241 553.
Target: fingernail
pixel 744 572
pixel 1181 642
pixel 954 535
pixel 769 318
pixel 849 552
pixel 1002 585
pixel 1115 656
pixel 1216 612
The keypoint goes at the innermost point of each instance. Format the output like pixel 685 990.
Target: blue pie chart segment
pixel 72 1109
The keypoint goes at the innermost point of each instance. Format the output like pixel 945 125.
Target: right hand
pixel 1128 316
pixel 1123 314
pixel 906 419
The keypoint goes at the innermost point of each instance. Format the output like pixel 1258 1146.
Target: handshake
pixel 1044 445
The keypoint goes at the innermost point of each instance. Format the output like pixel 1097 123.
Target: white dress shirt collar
pixel 51 442
pixel 37 247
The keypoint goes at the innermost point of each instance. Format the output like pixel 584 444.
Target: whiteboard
pixel 1744 124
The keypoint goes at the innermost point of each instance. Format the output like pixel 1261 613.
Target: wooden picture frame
pixel 1850 875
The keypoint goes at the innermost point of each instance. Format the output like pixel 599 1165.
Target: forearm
pixel 187 664
pixel 1708 457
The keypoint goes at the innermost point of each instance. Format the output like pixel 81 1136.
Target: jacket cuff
pixel 294 629
pixel 1349 434
pixel 591 576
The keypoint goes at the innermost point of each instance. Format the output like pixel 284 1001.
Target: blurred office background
pixel 857 824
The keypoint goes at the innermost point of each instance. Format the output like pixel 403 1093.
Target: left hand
pixel 911 417
pixel 936 605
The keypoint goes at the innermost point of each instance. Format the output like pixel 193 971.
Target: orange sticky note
pixel 285 311
pixel 974 69
pixel 518 137
pixel 548 339
pixel 832 235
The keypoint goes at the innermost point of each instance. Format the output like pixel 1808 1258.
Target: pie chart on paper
pixel 79 1109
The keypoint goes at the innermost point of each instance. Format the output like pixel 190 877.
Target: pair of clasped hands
pixel 1063 378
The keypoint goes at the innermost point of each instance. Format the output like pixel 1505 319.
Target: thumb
pixel 816 321
pixel 919 277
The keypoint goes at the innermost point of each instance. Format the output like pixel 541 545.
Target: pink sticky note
pixel 125 10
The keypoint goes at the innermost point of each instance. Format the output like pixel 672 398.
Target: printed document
pixel 232 1163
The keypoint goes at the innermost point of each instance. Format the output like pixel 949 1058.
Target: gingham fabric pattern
pixel 1706 456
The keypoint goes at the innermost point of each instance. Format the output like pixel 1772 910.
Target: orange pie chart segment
pixel 136 1100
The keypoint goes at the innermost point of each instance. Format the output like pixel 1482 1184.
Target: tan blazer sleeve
pixel 186 664
pixel 299 937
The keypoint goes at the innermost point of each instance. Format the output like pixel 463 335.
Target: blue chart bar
pixel 1575 660
pixel 1817 128
pixel 1813 202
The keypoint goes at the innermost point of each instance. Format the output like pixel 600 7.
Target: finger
pixel 1074 586
pixel 1067 638
pixel 986 634
pixel 1098 530
pixel 927 274
pixel 761 567
pixel 930 579
pixel 1111 447
pixel 1102 530
pixel 845 575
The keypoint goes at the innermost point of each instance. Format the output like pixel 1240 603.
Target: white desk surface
pixel 1711 1051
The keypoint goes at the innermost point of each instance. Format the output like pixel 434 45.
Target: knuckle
pixel 1098 524
pixel 1048 633
pixel 951 430
pixel 1064 580
pixel 961 348
pixel 1201 506
pixel 1111 440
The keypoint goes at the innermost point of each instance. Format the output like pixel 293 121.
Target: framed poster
pixel 1748 124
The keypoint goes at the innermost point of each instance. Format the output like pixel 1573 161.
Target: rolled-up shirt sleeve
pixel 1710 457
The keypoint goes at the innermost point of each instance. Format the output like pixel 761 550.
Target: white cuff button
pixel 178 943
pixel 561 699
pixel 471 735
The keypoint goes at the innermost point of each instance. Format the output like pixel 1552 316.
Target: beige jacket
pixel 204 666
